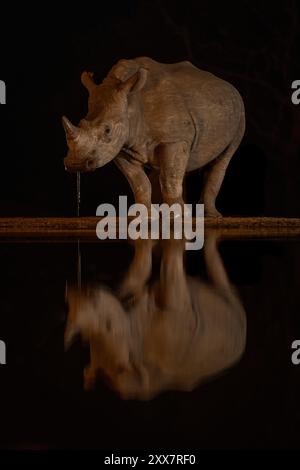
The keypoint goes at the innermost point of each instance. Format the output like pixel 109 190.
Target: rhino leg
pixel 213 261
pixel 139 271
pixel 172 276
pixel 136 177
pixel 173 161
pixel 213 180
pixel 156 195
pixel 215 175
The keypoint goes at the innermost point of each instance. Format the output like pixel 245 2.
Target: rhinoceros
pixel 172 334
pixel 174 118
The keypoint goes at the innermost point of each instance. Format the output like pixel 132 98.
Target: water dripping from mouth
pixel 78 192
pixel 78 266
pixel 78 241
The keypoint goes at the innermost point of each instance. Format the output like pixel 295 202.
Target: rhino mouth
pixel 84 167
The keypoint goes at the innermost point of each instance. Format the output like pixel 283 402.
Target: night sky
pixel 254 45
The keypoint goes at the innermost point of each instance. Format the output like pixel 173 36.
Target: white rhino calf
pixel 172 117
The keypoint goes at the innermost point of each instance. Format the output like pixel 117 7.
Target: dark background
pixel 44 48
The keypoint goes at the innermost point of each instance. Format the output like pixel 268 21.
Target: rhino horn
pixel 88 82
pixel 71 131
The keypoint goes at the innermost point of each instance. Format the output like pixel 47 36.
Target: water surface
pixel 157 348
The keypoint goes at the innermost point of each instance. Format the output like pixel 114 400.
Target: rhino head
pixel 101 135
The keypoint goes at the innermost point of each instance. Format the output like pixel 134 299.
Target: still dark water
pixel 160 348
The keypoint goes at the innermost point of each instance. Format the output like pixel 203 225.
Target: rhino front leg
pixel 139 271
pixel 173 160
pixel 136 177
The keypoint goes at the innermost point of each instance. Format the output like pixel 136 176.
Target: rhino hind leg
pixel 173 162
pixel 215 175
pixel 215 267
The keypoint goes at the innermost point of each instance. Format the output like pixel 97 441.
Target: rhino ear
pixel 136 82
pixel 72 132
pixel 88 82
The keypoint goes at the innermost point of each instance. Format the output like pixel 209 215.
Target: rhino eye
pixel 107 130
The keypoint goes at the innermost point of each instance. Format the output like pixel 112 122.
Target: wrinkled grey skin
pixel 172 117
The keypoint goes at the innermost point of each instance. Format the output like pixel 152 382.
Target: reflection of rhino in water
pixel 167 336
